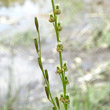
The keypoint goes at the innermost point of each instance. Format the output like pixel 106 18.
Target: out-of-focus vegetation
pixel 100 36
pixel 9 3
pixel 94 98
pixel 71 9
pixel 19 39
pixel 94 92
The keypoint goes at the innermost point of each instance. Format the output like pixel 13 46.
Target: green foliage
pixel 104 38
pixel 18 39
pixel 100 37
pixel 98 98
pixel 8 3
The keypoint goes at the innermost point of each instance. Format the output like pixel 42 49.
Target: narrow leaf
pixel 36 44
pixel 36 24
pixel 57 102
pixel 46 75
pixel 47 92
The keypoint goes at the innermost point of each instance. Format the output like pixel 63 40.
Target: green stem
pixel 60 54
pixel 57 33
pixel 47 83
pixel 39 43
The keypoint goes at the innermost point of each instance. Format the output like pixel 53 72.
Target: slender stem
pixel 60 54
pixel 48 86
pixel 39 43
pixel 47 83
pixel 57 33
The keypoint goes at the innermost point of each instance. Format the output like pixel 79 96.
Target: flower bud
pixel 67 101
pixel 65 67
pixel 57 10
pixel 67 96
pixel 61 95
pixel 59 47
pixel 59 26
pixel 57 6
pixel 59 71
pixel 51 19
pixel 62 98
pixel 66 80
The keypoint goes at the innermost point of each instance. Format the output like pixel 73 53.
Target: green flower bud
pixel 51 19
pixel 67 101
pixel 57 6
pixel 61 95
pixel 57 10
pixel 66 80
pixel 65 67
pixel 59 47
pixel 59 71
pixel 59 26
pixel 62 98
pixel 65 63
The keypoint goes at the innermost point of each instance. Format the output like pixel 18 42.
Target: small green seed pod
pixel 65 67
pixel 67 101
pixel 66 80
pixel 62 98
pixel 57 6
pixel 57 11
pixel 51 19
pixel 61 95
pixel 59 26
pixel 67 96
pixel 59 71
pixel 59 47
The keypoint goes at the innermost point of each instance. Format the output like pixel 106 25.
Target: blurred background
pixel 86 39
